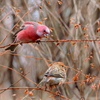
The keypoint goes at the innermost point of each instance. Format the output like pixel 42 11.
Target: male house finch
pixel 29 32
pixel 55 75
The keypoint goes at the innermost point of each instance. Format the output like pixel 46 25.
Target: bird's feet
pixel 58 92
pixel 21 43
pixel 38 41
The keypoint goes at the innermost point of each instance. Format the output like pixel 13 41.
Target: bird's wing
pixel 14 36
pixel 25 25
pixel 18 31
pixel 55 73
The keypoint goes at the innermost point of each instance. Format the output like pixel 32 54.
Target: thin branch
pixel 9 45
pixel 37 89
pixel 5 16
pixel 12 84
pixel 75 40
pixel 18 73
pixel 6 52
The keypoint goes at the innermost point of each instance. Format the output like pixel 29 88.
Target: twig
pixel 19 73
pixel 76 40
pixel 36 89
pixel 25 56
pixel 9 45
pixel 5 16
pixel 12 84
pixel 55 41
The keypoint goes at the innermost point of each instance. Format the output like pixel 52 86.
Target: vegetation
pixel 74 40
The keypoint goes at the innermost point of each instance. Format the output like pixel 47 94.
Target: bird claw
pixel 58 93
pixel 61 83
pixel 43 88
pixel 21 43
pixel 38 41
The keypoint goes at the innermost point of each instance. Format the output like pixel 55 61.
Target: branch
pixel 9 45
pixel 55 41
pixel 19 73
pixel 72 40
pixel 36 89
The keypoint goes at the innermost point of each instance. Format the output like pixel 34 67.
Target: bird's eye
pixel 22 26
pixel 44 30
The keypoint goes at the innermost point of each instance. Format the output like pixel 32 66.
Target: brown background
pixel 70 19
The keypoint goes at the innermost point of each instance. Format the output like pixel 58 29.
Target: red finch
pixel 29 32
pixel 55 75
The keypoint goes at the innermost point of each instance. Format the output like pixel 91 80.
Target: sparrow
pixel 55 75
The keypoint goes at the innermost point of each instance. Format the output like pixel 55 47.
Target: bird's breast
pixel 27 35
pixel 53 81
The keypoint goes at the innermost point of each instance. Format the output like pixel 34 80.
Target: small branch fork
pixel 55 41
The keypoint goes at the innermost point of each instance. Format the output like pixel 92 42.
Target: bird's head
pixel 59 65
pixel 42 30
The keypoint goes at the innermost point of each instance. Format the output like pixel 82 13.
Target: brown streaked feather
pixel 55 75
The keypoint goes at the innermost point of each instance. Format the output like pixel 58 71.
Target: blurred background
pixel 67 19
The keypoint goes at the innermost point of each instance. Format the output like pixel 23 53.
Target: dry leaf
pixel 43 19
pixel 59 2
pixel 30 93
pixel 98 29
pixel 73 43
pixel 48 2
pixel 87 59
pixel 93 86
pixel 21 68
pixel 39 22
pixel 72 19
pixel 51 35
pixel 75 78
pixel 17 10
pixel 92 65
pixel 26 91
pixel 40 7
pixel 98 22
pixel 14 95
pixel 57 43
pixel 84 28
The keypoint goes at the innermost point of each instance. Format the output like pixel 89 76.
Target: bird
pixel 29 32
pixel 55 75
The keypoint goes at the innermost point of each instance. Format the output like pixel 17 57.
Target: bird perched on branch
pixel 29 32
pixel 55 75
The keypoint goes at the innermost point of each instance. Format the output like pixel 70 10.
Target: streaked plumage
pixel 55 75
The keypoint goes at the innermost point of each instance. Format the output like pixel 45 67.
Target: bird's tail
pixel 12 47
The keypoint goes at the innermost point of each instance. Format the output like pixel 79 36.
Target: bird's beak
pixel 47 31
pixel 46 34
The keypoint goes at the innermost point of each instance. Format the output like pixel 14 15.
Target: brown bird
pixel 55 75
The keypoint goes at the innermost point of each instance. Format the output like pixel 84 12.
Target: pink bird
pixel 29 32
